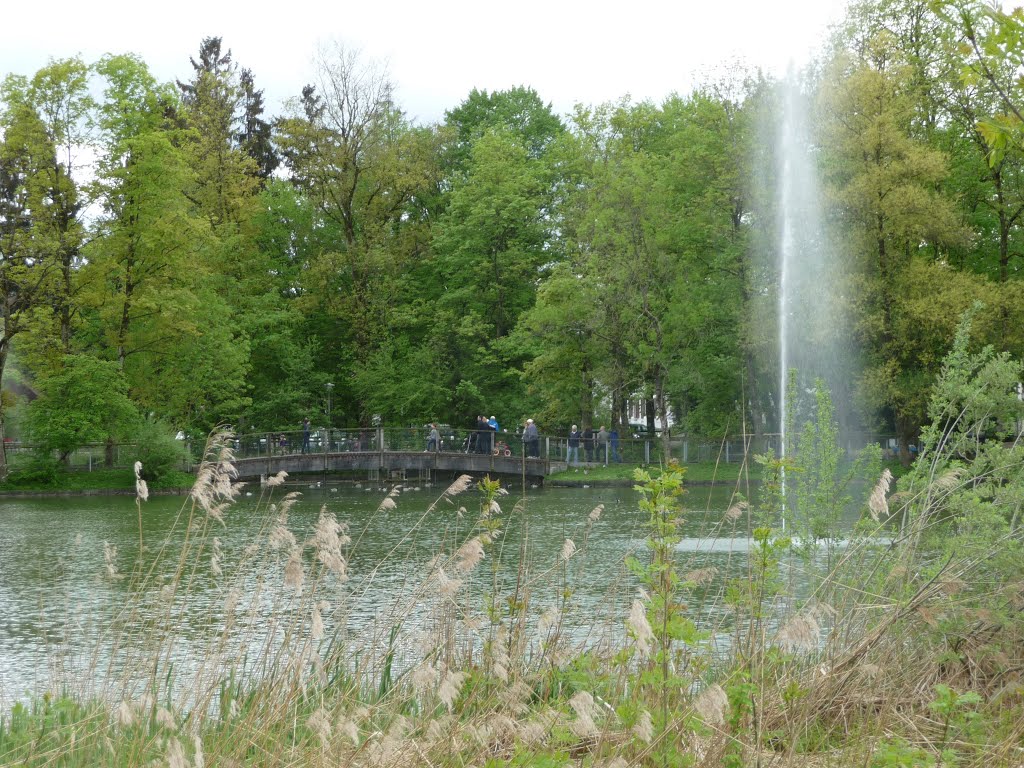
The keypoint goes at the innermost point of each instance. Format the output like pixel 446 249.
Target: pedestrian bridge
pixel 385 454
pixel 401 452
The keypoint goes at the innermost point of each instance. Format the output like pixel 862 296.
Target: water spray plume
pixel 813 339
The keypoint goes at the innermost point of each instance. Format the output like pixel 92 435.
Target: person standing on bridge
pixel 492 433
pixel 572 448
pixel 602 446
pixel 305 435
pixel 483 439
pixel 532 440
pixel 572 452
pixel 477 438
pixel 434 439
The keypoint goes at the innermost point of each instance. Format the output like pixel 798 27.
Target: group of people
pixel 602 445
pixel 481 436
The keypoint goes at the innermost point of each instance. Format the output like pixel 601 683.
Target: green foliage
pixel 974 408
pixel 823 479
pixel 741 693
pixel 819 496
pixel 897 753
pixel 665 610
pixel 519 110
pixel 86 402
pixel 157 449
pixel 489 525
pixel 751 597
pixel 40 470
pixel 674 633
pixel 994 39
pixel 957 713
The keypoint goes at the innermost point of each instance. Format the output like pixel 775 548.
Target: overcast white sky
pixel 436 52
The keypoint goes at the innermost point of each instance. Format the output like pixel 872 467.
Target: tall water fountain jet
pixel 814 337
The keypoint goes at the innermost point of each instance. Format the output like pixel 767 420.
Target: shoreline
pixel 58 493
pixel 625 483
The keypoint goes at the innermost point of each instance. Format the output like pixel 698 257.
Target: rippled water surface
pixel 64 620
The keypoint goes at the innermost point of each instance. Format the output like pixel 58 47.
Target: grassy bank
pixel 99 480
pixel 699 473
pixel 695 473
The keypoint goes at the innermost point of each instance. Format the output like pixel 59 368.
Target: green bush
pixel 41 469
pixel 158 450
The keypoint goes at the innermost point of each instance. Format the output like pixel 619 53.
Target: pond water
pixel 59 600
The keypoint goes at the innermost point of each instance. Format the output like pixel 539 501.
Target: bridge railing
pixel 650 450
pixel 373 440
pixel 628 450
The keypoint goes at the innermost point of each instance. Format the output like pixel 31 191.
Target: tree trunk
pixel 904 434
pixel 752 395
pixel 662 405
pixel 618 421
pixel 587 399
pixel 649 413
pixel 4 344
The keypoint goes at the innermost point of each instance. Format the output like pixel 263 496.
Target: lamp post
pixel 330 387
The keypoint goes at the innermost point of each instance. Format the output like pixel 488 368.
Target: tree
pixel 85 402
pixel 144 240
pixel 980 79
pixel 996 40
pixel 27 266
pixel 883 185
pixel 215 111
pixel 369 178
pixel 255 135
pixel 491 240
pixel 152 299
pixel 59 94
pixel 563 341
pixel 519 111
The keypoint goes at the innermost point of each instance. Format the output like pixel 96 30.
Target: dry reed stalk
pixel 877 503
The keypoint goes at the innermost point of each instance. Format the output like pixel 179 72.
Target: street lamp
pixel 330 387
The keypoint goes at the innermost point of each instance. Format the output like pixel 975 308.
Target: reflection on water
pixel 65 619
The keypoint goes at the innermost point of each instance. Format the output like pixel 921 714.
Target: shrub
pixel 158 450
